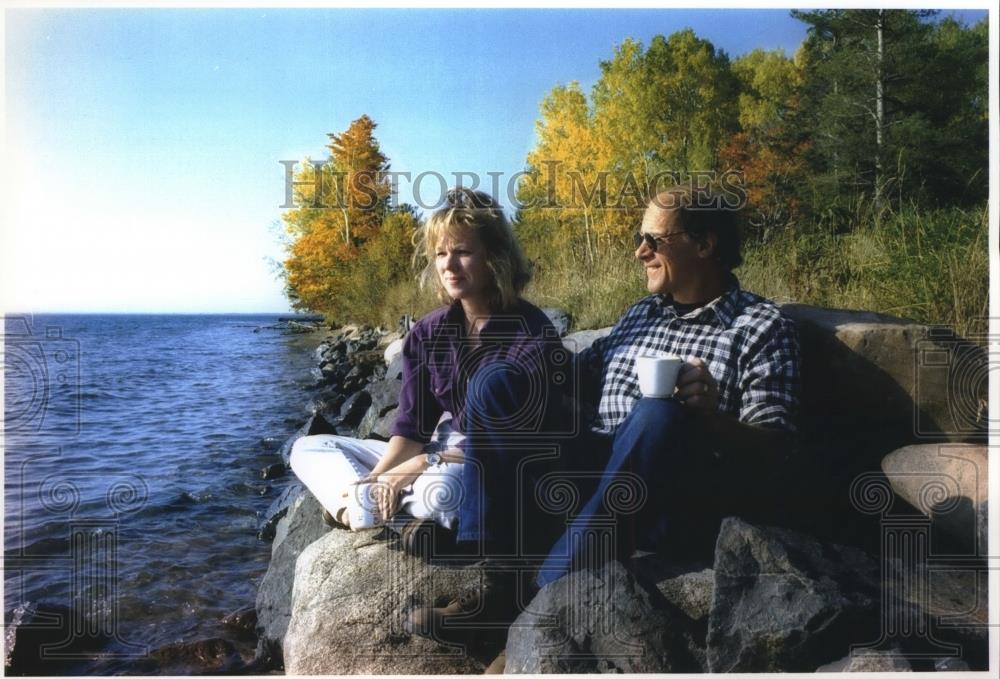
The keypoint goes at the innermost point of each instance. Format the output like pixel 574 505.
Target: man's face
pixel 675 264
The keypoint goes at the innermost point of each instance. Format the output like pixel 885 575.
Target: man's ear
pixel 707 245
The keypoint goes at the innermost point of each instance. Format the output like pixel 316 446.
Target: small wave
pixel 181 502
pixel 249 488
pixel 41 547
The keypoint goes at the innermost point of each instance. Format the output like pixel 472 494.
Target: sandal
pixel 338 521
pixel 424 538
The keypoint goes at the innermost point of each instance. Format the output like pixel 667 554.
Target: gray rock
pixel 690 592
pixel 783 602
pixel 350 599
pixel 201 656
pixel 950 665
pixel 273 471
pixel 917 379
pixel 354 409
pixel 277 510
pixel 597 621
pixel 385 397
pixel 686 584
pixel 879 661
pixel 951 605
pixel 271 443
pixel 559 318
pixel 327 403
pixel 892 660
pixel 393 351
pixel 394 366
pixel 301 527
pixel 316 424
pixel 390 338
pixel 578 341
pixel 243 621
pixel 382 429
pixel 32 628
pixel 949 484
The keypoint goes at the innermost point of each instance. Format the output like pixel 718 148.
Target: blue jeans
pixel 629 507
pixel 506 420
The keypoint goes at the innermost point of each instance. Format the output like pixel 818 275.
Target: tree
pixel 770 148
pixel 343 204
pixel 564 173
pixel 362 185
pixel 889 93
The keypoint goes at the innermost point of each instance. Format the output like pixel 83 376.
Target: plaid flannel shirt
pixel 750 348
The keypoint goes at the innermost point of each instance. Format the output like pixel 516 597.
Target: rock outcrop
pixel 302 525
pixel 886 374
pixel 949 484
pixel 784 602
pixel 352 593
pixel 598 621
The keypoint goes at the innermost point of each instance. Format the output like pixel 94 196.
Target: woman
pixel 485 329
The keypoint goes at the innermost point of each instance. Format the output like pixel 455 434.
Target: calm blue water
pixel 133 447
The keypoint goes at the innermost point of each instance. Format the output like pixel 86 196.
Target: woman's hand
pixel 390 484
pixel 696 387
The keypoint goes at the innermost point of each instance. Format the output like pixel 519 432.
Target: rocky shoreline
pixel 902 460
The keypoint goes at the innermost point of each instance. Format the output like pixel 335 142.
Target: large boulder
pixel 784 602
pixel 598 621
pixel 302 525
pixel 578 341
pixel 949 484
pixel 352 594
pixel 885 374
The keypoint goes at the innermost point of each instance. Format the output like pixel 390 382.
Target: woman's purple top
pixel 439 359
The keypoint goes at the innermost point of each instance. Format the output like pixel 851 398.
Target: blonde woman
pixel 486 358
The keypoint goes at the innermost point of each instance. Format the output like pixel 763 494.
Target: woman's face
pixel 461 266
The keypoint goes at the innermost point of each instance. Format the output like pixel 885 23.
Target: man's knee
pixel 653 434
pixel 654 415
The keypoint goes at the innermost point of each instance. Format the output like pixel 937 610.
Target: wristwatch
pixel 433 458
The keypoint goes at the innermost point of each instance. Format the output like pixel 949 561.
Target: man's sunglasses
pixel 653 242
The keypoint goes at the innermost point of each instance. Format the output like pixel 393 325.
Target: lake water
pixel 133 450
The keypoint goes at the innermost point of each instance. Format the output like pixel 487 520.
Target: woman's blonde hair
pixel 466 210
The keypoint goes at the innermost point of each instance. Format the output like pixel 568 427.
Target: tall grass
pixel 929 266
pixel 595 294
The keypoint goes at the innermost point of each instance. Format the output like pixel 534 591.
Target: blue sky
pixel 143 146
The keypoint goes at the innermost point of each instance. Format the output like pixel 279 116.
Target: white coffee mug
pixel 362 506
pixel 657 374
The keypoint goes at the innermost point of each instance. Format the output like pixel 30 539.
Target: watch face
pixel 433 459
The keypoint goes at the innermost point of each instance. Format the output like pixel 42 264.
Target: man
pixel 730 423
pixel 715 445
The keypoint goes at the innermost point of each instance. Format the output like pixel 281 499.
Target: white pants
pixel 327 463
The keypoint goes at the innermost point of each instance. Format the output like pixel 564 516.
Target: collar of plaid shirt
pixel 720 311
